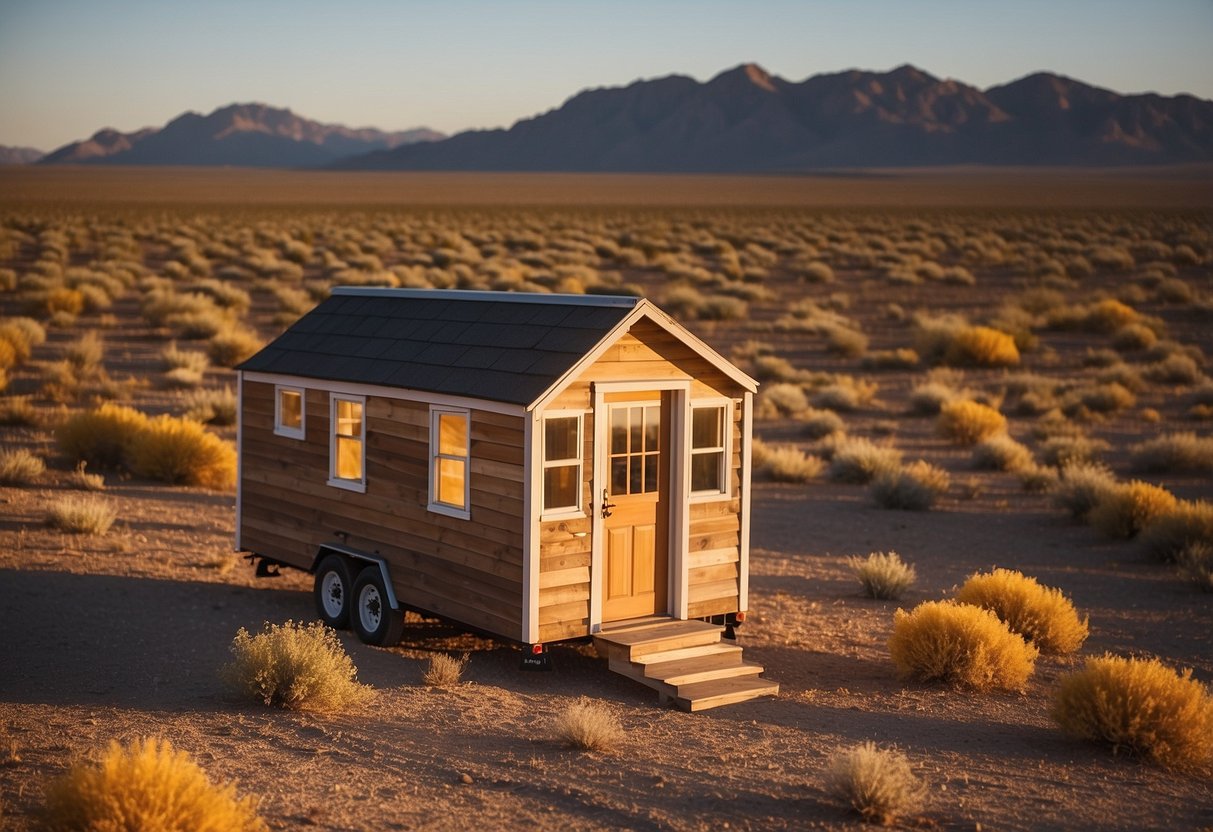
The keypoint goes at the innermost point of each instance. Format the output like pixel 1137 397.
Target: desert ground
pixel 833 291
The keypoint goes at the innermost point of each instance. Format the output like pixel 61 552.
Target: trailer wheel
pixel 333 590
pixel 372 617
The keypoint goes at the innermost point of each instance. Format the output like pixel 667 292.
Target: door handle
pixel 606 507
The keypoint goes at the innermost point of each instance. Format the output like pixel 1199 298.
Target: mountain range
pixel 239 135
pixel 744 120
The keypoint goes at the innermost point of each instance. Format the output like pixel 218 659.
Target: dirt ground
pixel 120 644
pixel 121 636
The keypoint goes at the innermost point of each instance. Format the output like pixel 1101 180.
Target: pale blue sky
pixel 70 67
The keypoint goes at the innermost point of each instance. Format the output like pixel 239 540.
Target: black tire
pixel 371 615
pixel 333 591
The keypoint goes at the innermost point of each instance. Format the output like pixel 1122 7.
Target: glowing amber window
pixel 449 473
pixel 348 439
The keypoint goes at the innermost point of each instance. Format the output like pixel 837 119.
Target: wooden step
pixel 718 648
pixel 692 677
pixel 713 694
pixel 670 635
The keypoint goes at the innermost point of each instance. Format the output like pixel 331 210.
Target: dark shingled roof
pixel 500 346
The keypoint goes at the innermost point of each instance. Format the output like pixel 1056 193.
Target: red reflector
pixel 740 616
pixel 536 649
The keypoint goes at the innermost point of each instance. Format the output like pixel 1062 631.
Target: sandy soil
pixel 120 644
pixel 119 637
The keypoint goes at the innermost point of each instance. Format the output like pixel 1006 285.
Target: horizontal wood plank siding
pixel 467 570
pixel 645 353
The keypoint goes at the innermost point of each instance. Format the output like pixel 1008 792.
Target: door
pixel 635 506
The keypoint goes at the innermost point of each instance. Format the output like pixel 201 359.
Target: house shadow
pixel 103 640
pixel 97 640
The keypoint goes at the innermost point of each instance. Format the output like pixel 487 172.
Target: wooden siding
pixel 466 570
pixel 647 352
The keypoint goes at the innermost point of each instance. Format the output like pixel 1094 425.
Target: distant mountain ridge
pixel 18 155
pixel 747 120
pixel 238 135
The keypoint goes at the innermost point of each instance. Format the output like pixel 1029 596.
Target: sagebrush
pixel 588 725
pixel 883 574
pixel 960 644
pixel 295 665
pixel 1141 706
pixel 148 786
pixel 1041 614
pixel 877 783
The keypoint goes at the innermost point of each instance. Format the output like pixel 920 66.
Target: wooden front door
pixel 635 506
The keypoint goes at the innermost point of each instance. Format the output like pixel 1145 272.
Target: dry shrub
pixel 858 461
pixel 787 463
pixel 818 424
pixel 213 407
pixel 179 359
pixel 20 467
pixel 588 725
pixel 981 346
pixel 147 786
pixel 901 358
pixel 1065 451
pixel 1133 337
pixel 844 393
pixel 82 479
pixel 444 671
pixel 81 515
pixel 883 575
pixel 295 665
pixel 1141 706
pixel 100 437
pixel 926 399
pixel 968 422
pixel 876 783
pixel 1001 453
pixel 1081 487
pixel 181 378
pixel 227 349
pixel 1040 614
pixel 1187 524
pixel 915 487
pixel 782 400
pixel 181 451
pixel 18 410
pixel 1109 316
pixel 960 644
pixel 1037 479
pixel 1129 507
pixel 1174 452
pixel 1174 369
pixel 85 354
pixel 1196 564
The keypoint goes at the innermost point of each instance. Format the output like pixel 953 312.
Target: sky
pixel 71 67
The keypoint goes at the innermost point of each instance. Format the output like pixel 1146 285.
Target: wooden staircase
pixel 684 661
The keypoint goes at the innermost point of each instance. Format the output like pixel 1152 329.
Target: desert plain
pixel 833 291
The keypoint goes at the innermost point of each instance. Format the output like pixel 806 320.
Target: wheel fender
pixel 365 557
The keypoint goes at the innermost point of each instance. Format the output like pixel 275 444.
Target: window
pixel 449 462
pixel 709 473
pixel 288 412
pixel 562 464
pixel 347 452
pixel 635 452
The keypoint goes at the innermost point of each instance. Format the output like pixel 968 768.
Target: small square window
pixel 288 412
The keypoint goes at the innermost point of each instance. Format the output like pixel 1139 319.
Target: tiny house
pixel 537 467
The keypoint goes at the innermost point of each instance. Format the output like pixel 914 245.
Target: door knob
pixel 606 507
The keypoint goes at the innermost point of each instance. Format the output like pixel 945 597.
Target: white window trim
pixel 281 429
pixel 335 481
pixel 726 481
pixel 566 512
pixel 436 507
